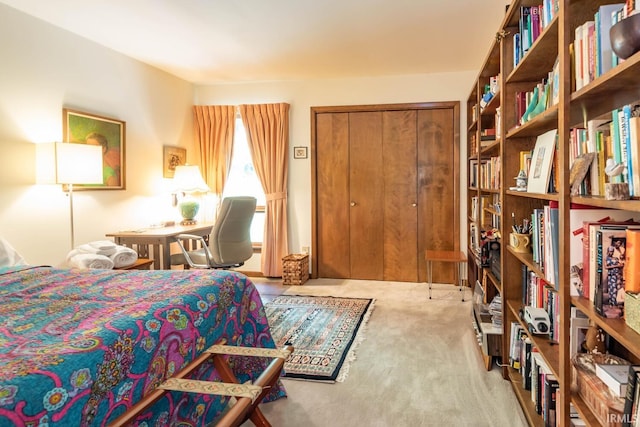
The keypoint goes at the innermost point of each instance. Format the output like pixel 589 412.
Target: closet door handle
pixel 414 204
pixel 352 203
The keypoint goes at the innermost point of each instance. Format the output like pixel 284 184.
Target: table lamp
pixel 187 180
pixel 77 164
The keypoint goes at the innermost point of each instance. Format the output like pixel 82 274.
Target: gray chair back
pixel 230 240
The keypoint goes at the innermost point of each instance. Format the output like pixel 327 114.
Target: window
pixel 243 181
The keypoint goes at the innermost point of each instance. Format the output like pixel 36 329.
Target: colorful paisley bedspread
pixel 79 347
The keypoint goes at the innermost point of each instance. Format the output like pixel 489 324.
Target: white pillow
pixel 8 256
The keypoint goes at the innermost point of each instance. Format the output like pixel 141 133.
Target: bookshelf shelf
pixel 539 196
pixel 491 149
pixel 541 123
pixel 574 108
pixel 584 411
pixel 549 350
pixel 524 397
pixel 616 328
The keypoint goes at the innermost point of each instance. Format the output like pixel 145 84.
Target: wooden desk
pixel 457 257
pixel 159 239
pixel 140 264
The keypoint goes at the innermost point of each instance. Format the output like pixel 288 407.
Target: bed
pixel 80 347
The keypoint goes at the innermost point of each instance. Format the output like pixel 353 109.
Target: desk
pixel 160 240
pixel 457 257
pixel 140 264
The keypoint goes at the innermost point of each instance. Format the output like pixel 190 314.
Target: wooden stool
pixel 248 395
pixel 457 257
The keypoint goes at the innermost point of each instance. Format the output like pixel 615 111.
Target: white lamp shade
pixel 188 179
pixel 78 163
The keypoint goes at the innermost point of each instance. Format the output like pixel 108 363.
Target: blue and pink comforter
pixel 79 347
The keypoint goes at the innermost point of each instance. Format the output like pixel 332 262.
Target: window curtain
pixel 267 127
pixel 214 126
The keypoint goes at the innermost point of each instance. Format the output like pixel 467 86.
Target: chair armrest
pixel 180 237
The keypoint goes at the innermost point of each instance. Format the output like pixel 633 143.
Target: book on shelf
pixel 539 370
pixel 631 269
pixel 551 386
pixel 577 57
pixel 604 52
pixel 630 397
pixel 525 362
pixel 515 344
pixel 517 51
pixel 552 234
pixel 634 151
pixel 615 376
pixel 611 252
pixel 595 135
pixel 525 29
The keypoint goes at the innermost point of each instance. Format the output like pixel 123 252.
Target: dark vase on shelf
pixel 625 36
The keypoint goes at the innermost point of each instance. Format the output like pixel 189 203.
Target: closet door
pixel 438 181
pixel 385 190
pixel 332 195
pixel 367 195
pixel 400 195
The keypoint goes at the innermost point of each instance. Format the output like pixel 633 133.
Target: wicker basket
pixel 295 269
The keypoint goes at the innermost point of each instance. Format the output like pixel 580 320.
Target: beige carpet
pixel 418 365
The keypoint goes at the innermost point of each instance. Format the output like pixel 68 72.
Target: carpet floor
pixel 418 366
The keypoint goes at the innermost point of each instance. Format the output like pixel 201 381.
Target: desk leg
pixel 166 255
pixel 429 275
pixel 462 268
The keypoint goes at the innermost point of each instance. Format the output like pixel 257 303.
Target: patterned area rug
pixel 324 332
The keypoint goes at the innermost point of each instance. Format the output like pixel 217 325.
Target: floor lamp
pixel 77 164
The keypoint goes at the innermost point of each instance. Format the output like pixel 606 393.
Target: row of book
pixel 536 374
pixel 604 257
pixel 615 144
pixel 545 226
pixel 533 21
pixel 485 173
pixel 538 293
pixel 592 53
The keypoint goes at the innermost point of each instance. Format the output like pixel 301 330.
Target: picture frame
pixel 299 152
pixel 541 162
pixel 172 157
pixel 579 170
pixel 86 128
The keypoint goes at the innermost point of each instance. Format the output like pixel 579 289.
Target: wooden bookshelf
pixel 613 89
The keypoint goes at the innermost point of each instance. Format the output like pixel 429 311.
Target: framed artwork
pixel 85 128
pixel 172 157
pixel 541 161
pixel 299 152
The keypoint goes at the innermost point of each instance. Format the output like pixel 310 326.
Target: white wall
pixel 302 95
pixel 45 69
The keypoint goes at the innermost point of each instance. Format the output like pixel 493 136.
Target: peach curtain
pixel 214 126
pixel 267 127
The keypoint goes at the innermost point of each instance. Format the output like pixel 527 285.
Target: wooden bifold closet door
pixel 385 191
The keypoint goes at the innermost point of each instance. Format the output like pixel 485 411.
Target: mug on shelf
pixel 520 242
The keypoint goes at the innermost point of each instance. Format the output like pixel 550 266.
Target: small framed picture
pixel 172 157
pixel 299 152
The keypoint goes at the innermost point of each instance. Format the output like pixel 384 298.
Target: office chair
pixel 230 241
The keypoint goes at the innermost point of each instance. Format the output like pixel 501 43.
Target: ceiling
pixel 222 41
